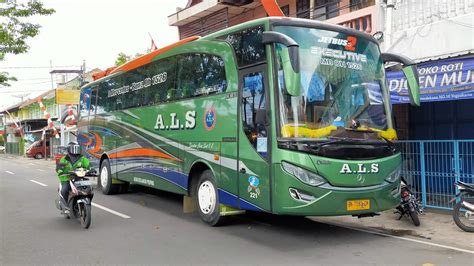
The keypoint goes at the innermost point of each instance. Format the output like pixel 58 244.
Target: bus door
pixel 253 146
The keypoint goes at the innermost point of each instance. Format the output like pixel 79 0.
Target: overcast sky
pixel 91 30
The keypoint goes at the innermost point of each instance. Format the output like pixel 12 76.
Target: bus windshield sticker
pixel 262 145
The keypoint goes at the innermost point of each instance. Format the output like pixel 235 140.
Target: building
pixel 201 17
pixel 439 36
pixel 25 122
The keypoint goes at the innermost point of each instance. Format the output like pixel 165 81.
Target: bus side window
pixel 85 102
pixel 201 74
pixel 253 107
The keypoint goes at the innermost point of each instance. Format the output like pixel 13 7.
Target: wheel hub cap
pixel 104 175
pixel 207 197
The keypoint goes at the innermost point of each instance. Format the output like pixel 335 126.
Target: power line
pixel 36 67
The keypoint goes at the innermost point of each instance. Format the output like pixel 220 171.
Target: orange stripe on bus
pixel 145 59
pixel 141 152
pixel 98 144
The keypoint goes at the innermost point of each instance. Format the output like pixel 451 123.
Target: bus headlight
pixel 303 175
pixel 395 175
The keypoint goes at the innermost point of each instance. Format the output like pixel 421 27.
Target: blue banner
pixel 443 80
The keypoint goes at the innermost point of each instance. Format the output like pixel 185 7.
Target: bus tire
pixel 105 179
pixel 207 199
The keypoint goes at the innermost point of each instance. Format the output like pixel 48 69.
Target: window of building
pixel 359 4
pixel 326 9
pixel 247 45
pixel 286 10
pixel 302 8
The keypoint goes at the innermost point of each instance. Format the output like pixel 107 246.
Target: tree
pixel 123 58
pixel 15 30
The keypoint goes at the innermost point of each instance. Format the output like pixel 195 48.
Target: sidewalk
pixel 436 227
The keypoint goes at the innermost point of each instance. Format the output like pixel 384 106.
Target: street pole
pixel 388 26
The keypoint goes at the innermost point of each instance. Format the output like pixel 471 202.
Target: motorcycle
pixel 463 211
pixel 409 205
pixel 78 204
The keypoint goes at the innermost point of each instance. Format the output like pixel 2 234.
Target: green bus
pixel 279 115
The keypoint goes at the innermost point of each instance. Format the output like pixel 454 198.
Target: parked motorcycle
pixel 463 211
pixel 409 205
pixel 80 197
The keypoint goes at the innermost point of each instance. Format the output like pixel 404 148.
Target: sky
pixel 92 30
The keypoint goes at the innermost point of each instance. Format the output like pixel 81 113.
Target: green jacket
pixel 65 166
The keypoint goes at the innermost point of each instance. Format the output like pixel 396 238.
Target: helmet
pixel 73 148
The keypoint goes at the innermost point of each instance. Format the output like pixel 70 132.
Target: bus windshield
pixel 342 85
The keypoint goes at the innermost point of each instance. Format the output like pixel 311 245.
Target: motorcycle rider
pixel 73 160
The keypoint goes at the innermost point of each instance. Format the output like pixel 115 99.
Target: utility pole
pixel 388 25
pixel 21 96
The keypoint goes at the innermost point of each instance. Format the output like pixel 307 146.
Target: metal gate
pixel 432 167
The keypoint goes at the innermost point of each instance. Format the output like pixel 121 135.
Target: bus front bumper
pixel 292 197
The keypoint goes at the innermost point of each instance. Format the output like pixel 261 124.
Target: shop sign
pixel 442 80
pixel 67 96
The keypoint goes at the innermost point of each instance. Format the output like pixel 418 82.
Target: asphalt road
pixel 158 232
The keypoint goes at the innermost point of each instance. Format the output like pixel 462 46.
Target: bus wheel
pixel 207 199
pixel 105 179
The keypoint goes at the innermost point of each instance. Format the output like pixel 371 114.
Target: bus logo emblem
pixel 210 117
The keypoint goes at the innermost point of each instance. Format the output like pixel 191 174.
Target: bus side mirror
pixel 411 74
pixel 289 58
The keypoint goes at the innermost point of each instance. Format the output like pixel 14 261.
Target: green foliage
pixel 122 58
pixel 16 29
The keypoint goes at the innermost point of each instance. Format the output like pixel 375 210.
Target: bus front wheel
pixel 207 199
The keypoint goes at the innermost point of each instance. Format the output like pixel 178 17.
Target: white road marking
pixel 10 172
pixel 32 164
pixel 42 170
pixel 39 183
pixel 406 238
pixel 111 211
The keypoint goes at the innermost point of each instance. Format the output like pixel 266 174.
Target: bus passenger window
pixel 254 111
pixel 201 74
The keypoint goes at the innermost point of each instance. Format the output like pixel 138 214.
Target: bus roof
pixel 273 21
pixel 142 60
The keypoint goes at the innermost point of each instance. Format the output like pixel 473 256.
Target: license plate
pixel 82 183
pixel 356 205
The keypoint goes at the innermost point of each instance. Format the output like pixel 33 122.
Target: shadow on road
pixel 283 233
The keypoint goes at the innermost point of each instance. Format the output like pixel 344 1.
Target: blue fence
pixel 432 167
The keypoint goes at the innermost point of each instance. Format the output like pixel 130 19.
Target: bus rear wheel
pixel 207 199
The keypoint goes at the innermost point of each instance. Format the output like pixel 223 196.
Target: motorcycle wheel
pixel 85 215
pixel 457 215
pixel 414 218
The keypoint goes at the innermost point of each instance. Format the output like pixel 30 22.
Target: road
pixel 149 227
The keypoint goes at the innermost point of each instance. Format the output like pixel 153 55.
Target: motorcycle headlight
pixel 394 175
pixel 303 175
